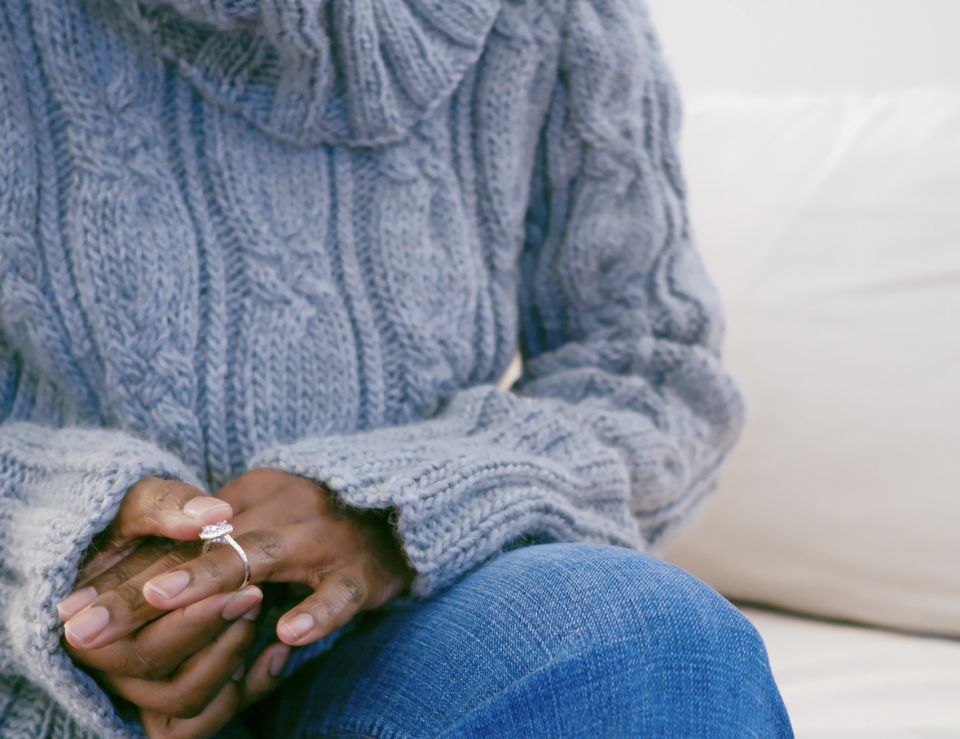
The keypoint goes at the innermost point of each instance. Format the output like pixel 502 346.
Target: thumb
pixel 168 508
pixel 340 596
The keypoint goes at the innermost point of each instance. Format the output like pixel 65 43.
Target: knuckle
pixel 213 567
pixel 210 568
pixel 131 566
pixel 182 553
pixel 130 596
pixel 164 496
pixel 323 610
pixel 267 545
pixel 160 498
pixel 112 578
pixel 353 588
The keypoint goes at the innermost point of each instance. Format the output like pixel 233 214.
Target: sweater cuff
pixel 67 486
pixel 491 471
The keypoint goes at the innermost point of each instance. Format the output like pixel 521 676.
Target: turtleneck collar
pixel 353 72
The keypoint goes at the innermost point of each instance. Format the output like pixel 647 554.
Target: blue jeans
pixel 547 641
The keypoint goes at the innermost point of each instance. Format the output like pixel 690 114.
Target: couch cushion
pixel 832 225
pixel 844 682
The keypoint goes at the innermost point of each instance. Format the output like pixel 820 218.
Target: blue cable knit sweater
pixel 309 235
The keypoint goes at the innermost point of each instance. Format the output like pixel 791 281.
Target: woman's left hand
pixel 292 532
pixel 234 696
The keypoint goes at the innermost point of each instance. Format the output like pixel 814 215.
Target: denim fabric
pixel 548 641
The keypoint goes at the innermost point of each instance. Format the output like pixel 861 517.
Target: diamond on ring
pixel 216 532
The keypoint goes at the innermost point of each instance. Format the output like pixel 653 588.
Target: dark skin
pixel 166 629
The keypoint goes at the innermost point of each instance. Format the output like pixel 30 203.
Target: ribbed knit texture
pixel 307 234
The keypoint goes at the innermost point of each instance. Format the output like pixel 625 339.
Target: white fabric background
pixel 845 682
pixel 832 226
pixel 786 46
pixel 822 149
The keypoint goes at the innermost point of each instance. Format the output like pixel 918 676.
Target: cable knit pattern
pixel 309 235
pixel 273 61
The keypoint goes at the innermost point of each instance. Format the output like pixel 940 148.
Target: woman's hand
pixel 292 532
pixel 178 667
pixel 178 664
pixel 234 696
pixel 185 669
pixel 153 515
pixel 152 508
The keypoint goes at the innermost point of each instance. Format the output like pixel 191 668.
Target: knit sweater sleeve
pixel 617 428
pixel 58 488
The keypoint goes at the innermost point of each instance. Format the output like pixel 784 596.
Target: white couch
pixel 822 149
pixel 852 682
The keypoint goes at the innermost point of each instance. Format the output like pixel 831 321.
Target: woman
pixel 282 250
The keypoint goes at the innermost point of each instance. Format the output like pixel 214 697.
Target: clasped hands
pixel 165 628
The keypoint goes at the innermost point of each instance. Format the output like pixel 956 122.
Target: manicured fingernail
pixel 238 675
pixel 298 626
pixel 278 661
pixel 197 507
pixel 169 585
pixel 240 603
pixel 87 625
pixel 76 602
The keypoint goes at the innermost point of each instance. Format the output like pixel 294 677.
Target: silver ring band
pixel 219 533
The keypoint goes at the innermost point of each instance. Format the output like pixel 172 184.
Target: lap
pixel 545 641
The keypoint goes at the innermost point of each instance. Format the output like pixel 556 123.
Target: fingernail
pixel 197 507
pixel 76 602
pixel 238 675
pixel 252 614
pixel 240 603
pixel 170 584
pixel 87 625
pixel 279 660
pixel 298 626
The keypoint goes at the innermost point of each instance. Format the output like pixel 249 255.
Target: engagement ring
pixel 219 533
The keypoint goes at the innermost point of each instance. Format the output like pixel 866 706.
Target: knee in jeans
pixel 616 595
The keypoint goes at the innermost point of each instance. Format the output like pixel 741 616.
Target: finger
pixel 159 648
pixel 152 507
pixel 76 602
pixel 338 598
pixel 157 725
pixel 122 609
pixel 221 569
pixel 106 552
pixel 188 630
pixel 128 567
pixel 198 681
pixel 264 676
pixel 167 508
pixel 262 679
